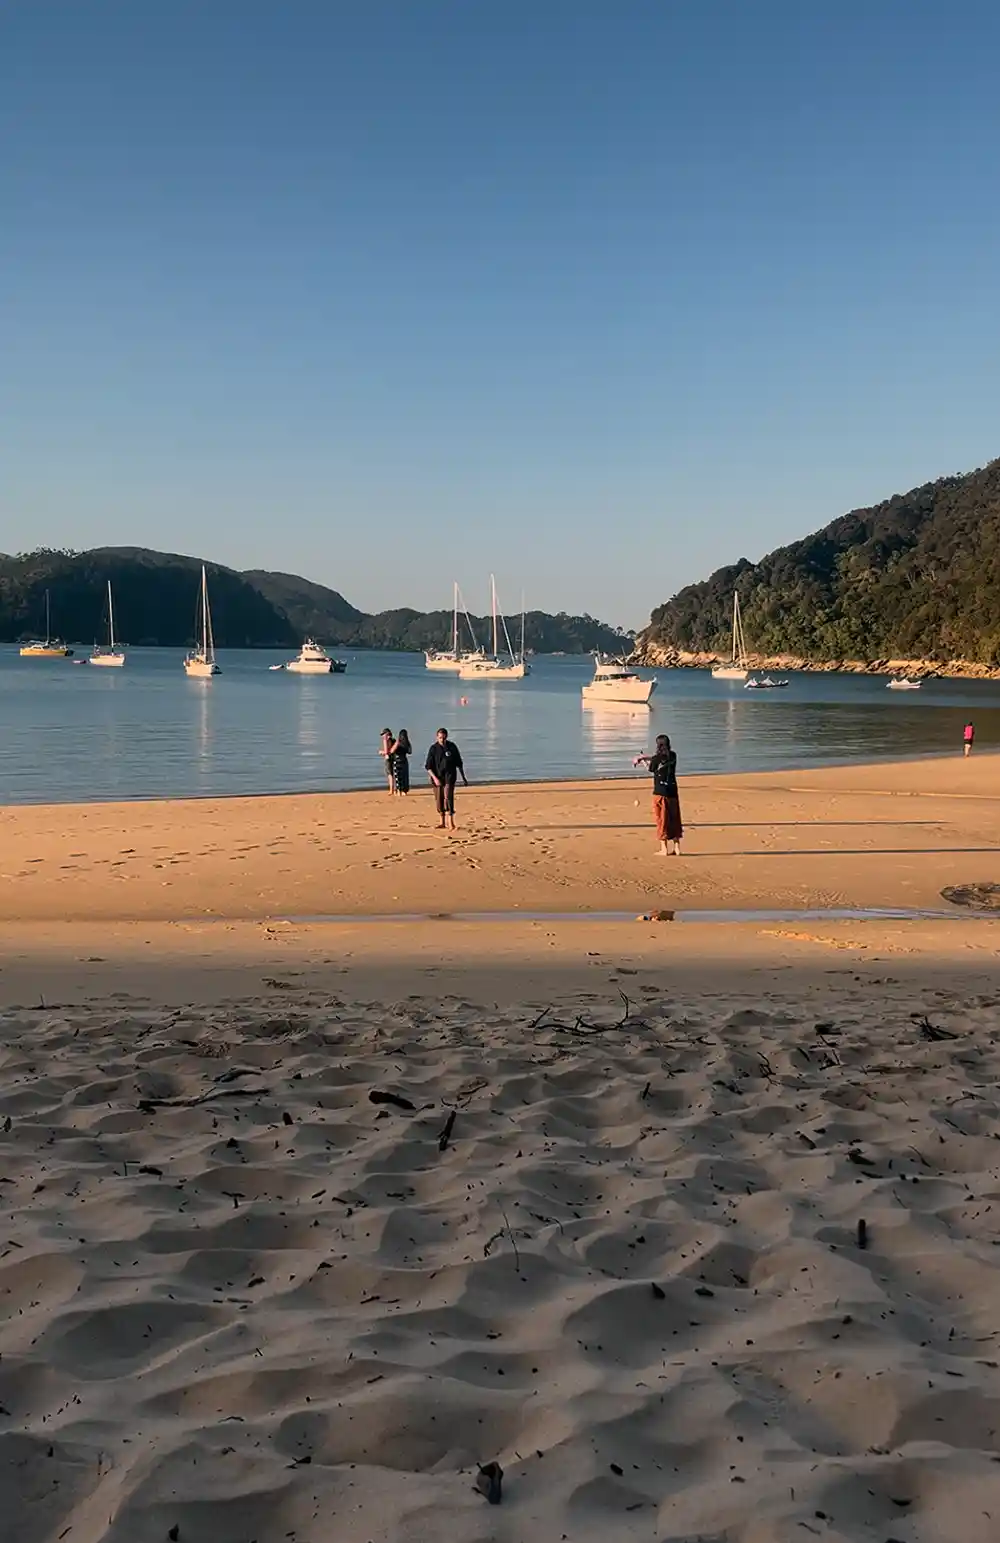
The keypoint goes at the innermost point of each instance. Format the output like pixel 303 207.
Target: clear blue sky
pixel 597 293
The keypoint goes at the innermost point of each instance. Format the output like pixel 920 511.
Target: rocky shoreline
pixel 663 656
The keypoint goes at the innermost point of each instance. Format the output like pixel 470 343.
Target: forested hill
pixel 155 597
pixel 916 577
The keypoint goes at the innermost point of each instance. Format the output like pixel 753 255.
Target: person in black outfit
pixel 399 762
pixel 666 800
pixel 444 766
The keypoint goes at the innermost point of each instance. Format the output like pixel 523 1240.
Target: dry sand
pixel 240 1300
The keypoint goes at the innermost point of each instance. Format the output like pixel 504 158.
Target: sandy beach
pixel 690 1226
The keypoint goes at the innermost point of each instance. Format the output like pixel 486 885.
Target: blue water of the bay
pixel 70 732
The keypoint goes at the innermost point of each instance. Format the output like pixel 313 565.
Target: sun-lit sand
pixel 243 1302
pixel 873 835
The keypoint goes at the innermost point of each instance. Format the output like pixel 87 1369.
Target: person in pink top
pixel 969 737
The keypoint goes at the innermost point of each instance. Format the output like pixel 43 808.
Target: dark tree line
pixel 916 577
pixel 155 596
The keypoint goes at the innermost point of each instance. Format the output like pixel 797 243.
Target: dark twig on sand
pixel 506 1231
pixel 586 1029
pixel 862 1233
pixel 930 1030
pixel 824 1030
pixel 395 1099
pixel 150 1105
pixel 513 1241
pixel 444 1136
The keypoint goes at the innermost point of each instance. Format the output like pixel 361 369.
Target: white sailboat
pixel 495 666
pixel 200 662
pixel 737 668
pixel 110 656
pixel 451 660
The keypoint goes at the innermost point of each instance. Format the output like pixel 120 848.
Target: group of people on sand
pixel 443 766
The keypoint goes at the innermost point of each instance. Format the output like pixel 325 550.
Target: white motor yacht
pixel 314 660
pixel 614 682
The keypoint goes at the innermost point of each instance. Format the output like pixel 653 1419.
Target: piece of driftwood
pixel 444 1135
pixel 150 1105
pixel 377 1096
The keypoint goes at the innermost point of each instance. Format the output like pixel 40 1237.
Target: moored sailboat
pixel 111 656
pixel 496 666
pixel 450 660
pixel 736 669
pixel 49 647
pixel 200 662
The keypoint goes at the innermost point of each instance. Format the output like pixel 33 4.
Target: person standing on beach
pixel 385 752
pixel 399 762
pixel 666 800
pixel 444 767
pixel 968 738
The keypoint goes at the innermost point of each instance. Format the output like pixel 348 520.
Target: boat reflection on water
pixel 308 728
pixel 615 733
pixel 205 756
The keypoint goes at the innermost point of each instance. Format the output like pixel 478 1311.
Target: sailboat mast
pixel 209 640
pixel 454 628
pixel 522 626
pixel 48 619
pixel 493 597
pixel 111 619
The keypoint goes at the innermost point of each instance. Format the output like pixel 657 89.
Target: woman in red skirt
pixel 666 801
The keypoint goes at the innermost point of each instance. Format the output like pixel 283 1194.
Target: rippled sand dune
pixel 240 1302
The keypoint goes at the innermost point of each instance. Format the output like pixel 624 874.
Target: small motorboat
pixel 904 683
pixel 764 683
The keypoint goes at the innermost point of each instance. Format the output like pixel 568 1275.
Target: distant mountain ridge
pixel 155 596
pixel 916 577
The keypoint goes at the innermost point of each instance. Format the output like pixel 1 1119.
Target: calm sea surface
pixel 70 732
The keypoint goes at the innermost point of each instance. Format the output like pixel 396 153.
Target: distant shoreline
pixel 663 657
